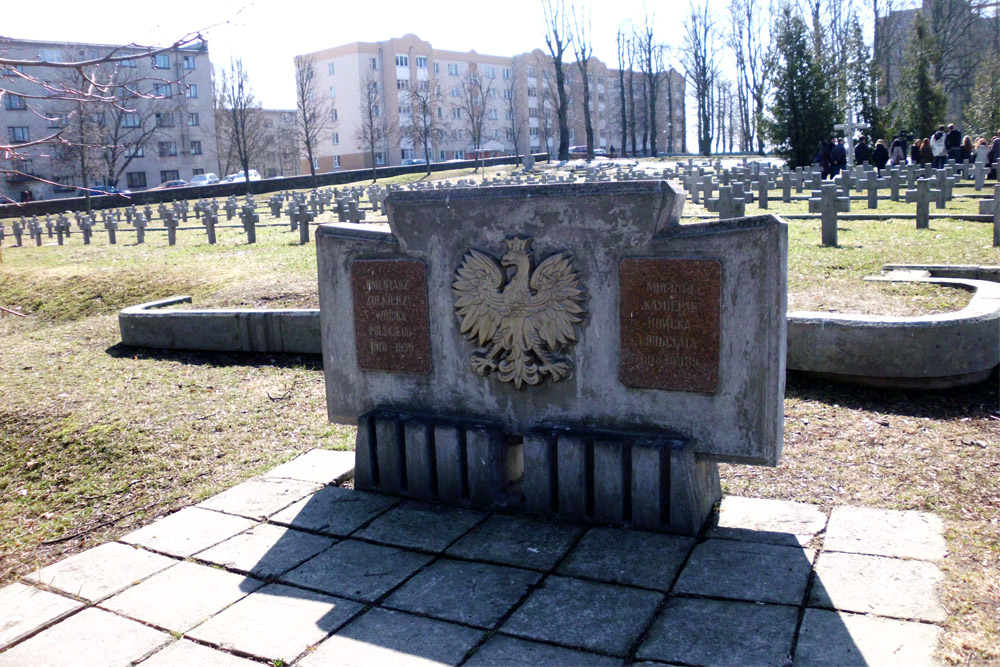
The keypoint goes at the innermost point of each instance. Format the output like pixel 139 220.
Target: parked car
pixel 204 179
pixel 414 160
pixel 170 184
pixel 98 190
pixel 238 176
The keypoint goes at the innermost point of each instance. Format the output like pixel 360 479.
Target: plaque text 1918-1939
pixel 391 327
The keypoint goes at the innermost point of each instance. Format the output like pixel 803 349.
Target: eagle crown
pixel 518 252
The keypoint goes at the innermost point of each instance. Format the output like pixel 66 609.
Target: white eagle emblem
pixel 523 320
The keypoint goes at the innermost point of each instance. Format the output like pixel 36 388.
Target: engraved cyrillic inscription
pixel 391 328
pixel 670 312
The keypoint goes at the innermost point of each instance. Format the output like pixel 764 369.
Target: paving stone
pixel 747 571
pixel 322 466
pixel 91 637
pixel 584 614
pixel 864 530
pixel 718 632
pixel 471 593
pixel 186 652
pixel 277 622
pixel 513 652
pixel 334 510
pixel 771 521
pixel 357 570
pixel 628 557
pixel 101 571
pixel 266 551
pixel 183 596
pixel 381 638
pixel 832 638
pixel 188 531
pixel 261 497
pixel 518 541
pixel 25 609
pixel 878 585
pixel 421 526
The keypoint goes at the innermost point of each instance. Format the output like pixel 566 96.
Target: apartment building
pixel 422 92
pixel 154 124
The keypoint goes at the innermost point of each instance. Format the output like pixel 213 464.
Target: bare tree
pixel 582 50
pixel 698 59
pixel 749 40
pixel 244 128
pixel 651 60
pixel 623 60
pixel 425 124
pixel 557 39
pixel 474 107
pixel 512 112
pixel 312 110
pixel 375 130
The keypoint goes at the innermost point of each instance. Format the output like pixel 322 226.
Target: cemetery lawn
pixel 97 439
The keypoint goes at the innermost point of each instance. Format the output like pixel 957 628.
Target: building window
pixel 130 119
pixel 169 175
pixel 315 163
pixel 453 69
pixel 456 91
pixel 492 114
pixel 404 110
pixel 164 120
pixel 508 115
pixel 18 134
pixel 128 63
pixel 441 156
pixel 379 158
pixel 335 138
pixel 600 79
pixel 331 69
pixel 135 150
pixel 507 73
pixel 373 63
pixel 287 118
pixel 402 84
pixel 377 111
pixel 58 119
pixel 509 132
pixel 530 71
pixel 333 91
pixel 336 161
pixel 195 148
pixel 13 102
pixel 333 115
pixel 192 91
pixel 188 62
pixel 508 94
pixel 421 62
pixel 193 120
pixel 196 171
pixel 402 61
pixel 161 61
pixel 533 131
pixel 491 93
pixel 167 148
pixel 437 68
pixel 136 179
pixel 456 112
pixel 407 153
pixel 460 154
pixel 532 112
pixel 532 92
pixel 440 112
pixel 161 89
pixel 491 72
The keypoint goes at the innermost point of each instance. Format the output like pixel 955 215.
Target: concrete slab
pixel 747 571
pixel 261 497
pixel 905 588
pixel 266 551
pixel 101 571
pixel 718 632
pixel 583 614
pixel 322 466
pixel 335 511
pixel 471 593
pixel 836 638
pixel 27 609
pixel 91 637
pixel 181 597
pixel 770 521
pixel 517 541
pixel 357 570
pixel 184 652
pixel 382 638
pixel 513 652
pixel 188 531
pixel 421 526
pixel 277 622
pixel 633 557
pixel 864 530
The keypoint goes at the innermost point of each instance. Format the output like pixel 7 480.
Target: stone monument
pixel 567 349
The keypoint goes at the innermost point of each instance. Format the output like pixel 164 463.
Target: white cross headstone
pixel 850 129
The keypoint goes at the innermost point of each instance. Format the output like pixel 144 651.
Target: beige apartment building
pixel 516 94
pixel 163 131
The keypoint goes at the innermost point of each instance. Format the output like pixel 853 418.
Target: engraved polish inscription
pixel 391 326
pixel 670 313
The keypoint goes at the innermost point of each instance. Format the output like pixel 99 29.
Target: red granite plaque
pixel 670 312
pixel 391 326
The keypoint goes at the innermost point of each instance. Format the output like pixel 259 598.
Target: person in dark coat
pixel 862 153
pixel 838 157
pixel 880 155
pixel 926 152
pixel 897 154
pixel 915 152
pixel 953 142
pixel 823 158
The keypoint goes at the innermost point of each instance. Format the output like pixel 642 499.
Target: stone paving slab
pixel 514 652
pixel 334 511
pixel 91 637
pixel 719 632
pixel 101 571
pixel 421 526
pixel 638 558
pixel 877 585
pixel 584 614
pixel 357 570
pixel 181 597
pixel 322 466
pixel 517 541
pixel 277 622
pixel 747 571
pixel 836 638
pixel 864 530
pixel 261 497
pixel 25 609
pixel 471 593
pixel 772 521
pixel 382 638
pixel 188 531
pixel 184 652
pixel 266 551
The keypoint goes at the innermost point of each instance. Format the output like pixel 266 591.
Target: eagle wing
pixel 479 304
pixel 557 301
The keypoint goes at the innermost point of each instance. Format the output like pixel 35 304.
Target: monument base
pixel 650 481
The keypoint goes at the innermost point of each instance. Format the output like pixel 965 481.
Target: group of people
pixel 936 150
